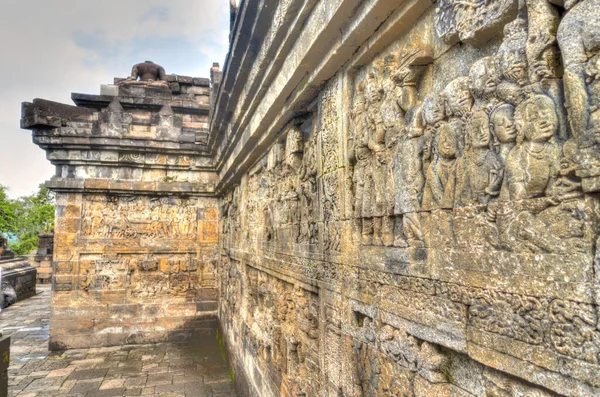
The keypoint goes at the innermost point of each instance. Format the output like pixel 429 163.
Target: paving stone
pixel 86 385
pixel 89 373
pixel 117 392
pixel 168 369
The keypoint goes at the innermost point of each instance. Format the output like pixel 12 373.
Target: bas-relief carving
pixel 489 162
pixel 141 275
pixel 494 137
pixel 138 217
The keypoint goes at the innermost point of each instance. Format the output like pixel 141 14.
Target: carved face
pixel 433 110
pixel 540 121
pixel 480 131
pixel 447 145
pixel 373 93
pixel 503 125
pixel 514 65
pixel 484 77
pixel 458 98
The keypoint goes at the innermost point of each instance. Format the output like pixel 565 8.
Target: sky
pixel 51 48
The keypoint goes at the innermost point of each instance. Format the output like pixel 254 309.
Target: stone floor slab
pixel 163 369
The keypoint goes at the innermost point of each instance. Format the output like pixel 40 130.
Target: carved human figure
pixel 479 170
pixel 441 175
pixel 361 156
pixel 374 95
pixel 502 126
pixel 308 192
pixel 513 64
pixel 541 207
pixel 294 147
pixel 148 71
pixel 532 163
pixel 409 181
pixel 458 105
pixel 391 113
pixel 433 116
pixel 541 47
pixel 579 40
pixel 484 78
pixel 380 206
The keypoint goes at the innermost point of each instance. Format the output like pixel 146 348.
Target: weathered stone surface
pixel 17 280
pixel 194 368
pixel 412 212
pixel 133 239
pixel 407 197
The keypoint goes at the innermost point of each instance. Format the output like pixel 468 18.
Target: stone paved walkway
pixel 164 369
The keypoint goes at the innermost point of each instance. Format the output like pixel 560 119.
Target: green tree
pixel 32 215
pixel 8 216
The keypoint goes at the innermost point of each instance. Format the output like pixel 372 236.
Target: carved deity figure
pixel 148 71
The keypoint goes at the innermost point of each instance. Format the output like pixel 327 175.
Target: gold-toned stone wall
pixel 426 224
pixel 133 269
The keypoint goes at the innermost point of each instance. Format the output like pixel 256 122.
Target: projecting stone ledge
pixel 112 186
pixel 48 114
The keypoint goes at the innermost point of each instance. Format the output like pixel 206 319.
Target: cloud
pixel 54 47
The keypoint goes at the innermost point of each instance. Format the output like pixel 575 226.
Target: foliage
pixel 25 218
pixel 8 215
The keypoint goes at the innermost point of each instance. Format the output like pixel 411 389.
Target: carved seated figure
pixel 148 73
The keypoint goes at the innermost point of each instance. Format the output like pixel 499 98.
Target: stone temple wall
pixel 410 198
pixel 136 224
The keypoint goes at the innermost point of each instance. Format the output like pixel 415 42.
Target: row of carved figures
pixel 490 139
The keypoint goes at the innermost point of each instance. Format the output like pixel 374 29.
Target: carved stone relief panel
pixel 138 217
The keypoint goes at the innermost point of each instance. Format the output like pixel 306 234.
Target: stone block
pixel 17 281
pixel 185 80
pixel 109 90
pixel 200 81
pixel 175 87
